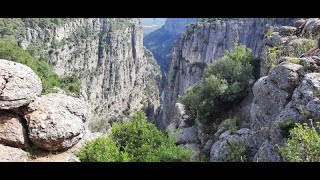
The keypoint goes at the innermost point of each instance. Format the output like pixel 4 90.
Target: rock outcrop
pixel 202 43
pixel 13 130
pixel 288 87
pixel 107 55
pixel 52 122
pixel 55 121
pixel 272 93
pixel 10 154
pixel 221 148
pixel 290 91
pixel 160 41
pixel 19 85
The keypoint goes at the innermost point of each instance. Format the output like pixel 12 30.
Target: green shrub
pixel 11 51
pixel 231 124
pixel 238 151
pixel 225 84
pixel 286 125
pixel 71 84
pixel 12 27
pixel 269 32
pixel 274 53
pixel 272 57
pixel 33 151
pixel 192 100
pixel 302 48
pixel 135 141
pixel 102 149
pixel 303 144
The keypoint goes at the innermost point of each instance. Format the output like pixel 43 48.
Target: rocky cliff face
pixel 160 41
pixel 178 25
pixel 202 43
pixel 287 90
pixel 107 55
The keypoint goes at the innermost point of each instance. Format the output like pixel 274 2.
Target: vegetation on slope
pixel 134 141
pixel 16 26
pixel 225 84
pixel 303 144
pixel 11 51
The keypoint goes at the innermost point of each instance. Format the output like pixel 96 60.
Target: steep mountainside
pixel 262 127
pixel 106 54
pixel 160 41
pixel 204 42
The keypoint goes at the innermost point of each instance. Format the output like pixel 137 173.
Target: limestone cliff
pixel 160 41
pixel 202 43
pixel 106 53
pixel 287 91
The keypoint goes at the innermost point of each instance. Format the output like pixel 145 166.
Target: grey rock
pixel 12 130
pixel 299 22
pixel 309 64
pixel 312 26
pixel 208 146
pixel 55 121
pixel 267 153
pixel 195 150
pixel 202 44
pixel 243 131
pixel 173 127
pixel 287 30
pixel 287 76
pixel 116 78
pixel 10 154
pixel 219 132
pixel 273 40
pixel 225 134
pixel 269 100
pixel 19 85
pixel 188 136
pixel 179 114
pixel 221 148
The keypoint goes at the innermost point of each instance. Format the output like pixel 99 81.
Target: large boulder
pixel 207 147
pixel 268 153
pixel 299 22
pixel 272 93
pixel 195 151
pixel 305 100
pixel 188 136
pixel 12 130
pixel 287 76
pixel 287 30
pixel 10 154
pixel 19 85
pixel 313 26
pixel 55 121
pixel 303 105
pixel 268 102
pixel 221 147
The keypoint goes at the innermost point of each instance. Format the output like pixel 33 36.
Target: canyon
pixel 123 68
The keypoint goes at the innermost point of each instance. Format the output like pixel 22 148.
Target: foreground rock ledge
pixel 19 85
pixel 10 154
pixel 55 121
